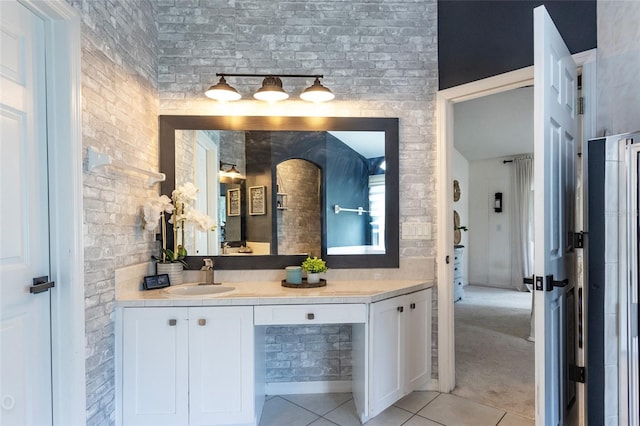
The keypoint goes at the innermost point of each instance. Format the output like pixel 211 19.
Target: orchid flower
pixel 201 221
pixel 153 209
pixel 179 207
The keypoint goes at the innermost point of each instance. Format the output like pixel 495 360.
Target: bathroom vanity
pixel 199 359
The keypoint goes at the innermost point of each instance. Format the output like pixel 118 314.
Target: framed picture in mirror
pixel 233 202
pixel 257 200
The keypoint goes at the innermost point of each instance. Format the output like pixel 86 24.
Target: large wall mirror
pixel 282 188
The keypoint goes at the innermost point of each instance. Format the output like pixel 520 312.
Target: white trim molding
pixel 64 122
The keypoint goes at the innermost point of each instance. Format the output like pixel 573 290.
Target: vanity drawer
pixel 309 314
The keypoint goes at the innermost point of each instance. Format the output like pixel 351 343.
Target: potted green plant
pixel 314 267
pixel 180 212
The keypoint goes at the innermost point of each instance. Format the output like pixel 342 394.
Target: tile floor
pixel 416 409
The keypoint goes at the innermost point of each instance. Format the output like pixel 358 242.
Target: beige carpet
pixel 494 361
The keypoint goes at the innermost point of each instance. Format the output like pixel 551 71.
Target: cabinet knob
pixel 400 309
pixel 173 322
pixel 311 316
pixel 412 306
pixel 202 321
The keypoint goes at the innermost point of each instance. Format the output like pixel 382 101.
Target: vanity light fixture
pixel 230 173
pixel 271 89
pixel 317 92
pixel 223 92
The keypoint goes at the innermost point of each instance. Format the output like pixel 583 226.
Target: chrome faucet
pixel 208 272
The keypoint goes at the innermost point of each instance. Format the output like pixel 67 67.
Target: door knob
pixel 172 322
pixel 202 321
pixel 400 309
pixel 41 284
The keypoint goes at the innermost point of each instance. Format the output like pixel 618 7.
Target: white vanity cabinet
pixel 221 362
pixel 400 349
pixel 188 366
pixel 155 366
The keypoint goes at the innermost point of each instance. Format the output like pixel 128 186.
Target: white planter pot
pixel 174 270
pixel 313 277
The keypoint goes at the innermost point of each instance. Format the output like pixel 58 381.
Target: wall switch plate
pixel 416 231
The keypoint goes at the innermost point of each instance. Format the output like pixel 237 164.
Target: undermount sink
pixel 197 289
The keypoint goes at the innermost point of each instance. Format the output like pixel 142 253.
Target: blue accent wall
pixel 479 39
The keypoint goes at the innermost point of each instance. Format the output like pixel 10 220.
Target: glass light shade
pixel 222 92
pixel 317 93
pixel 271 90
pixel 230 176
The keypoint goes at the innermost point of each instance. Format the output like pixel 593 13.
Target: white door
pixel 25 335
pixel 555 78
pixel 207 165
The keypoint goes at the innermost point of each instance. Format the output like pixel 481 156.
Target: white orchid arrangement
pixel 180 207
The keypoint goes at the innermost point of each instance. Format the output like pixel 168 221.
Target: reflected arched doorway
pixel 299 209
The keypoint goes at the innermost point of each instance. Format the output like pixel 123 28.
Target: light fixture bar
pixel 271 89
pixel 226 74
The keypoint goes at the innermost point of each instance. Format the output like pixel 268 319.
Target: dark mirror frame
pixel 391 259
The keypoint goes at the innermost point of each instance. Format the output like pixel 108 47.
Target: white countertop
pixel 273 293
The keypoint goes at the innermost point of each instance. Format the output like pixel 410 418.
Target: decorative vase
pixel 173 269
pixel 313 277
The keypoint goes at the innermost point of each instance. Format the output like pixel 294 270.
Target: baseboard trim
pixel 292 388
pixel 430 385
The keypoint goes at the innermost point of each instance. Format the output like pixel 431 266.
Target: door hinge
pixel 551 283
pixel 577 374
pixel 578 240
pixel 580 106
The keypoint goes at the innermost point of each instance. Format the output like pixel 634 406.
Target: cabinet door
pixel 418 342
pixel 386 367
pixel 221 357
pixel 154 366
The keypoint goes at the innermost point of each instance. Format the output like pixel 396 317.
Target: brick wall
pixel 298 354
pixel 120 109
pixel 618 62
pixel 378 57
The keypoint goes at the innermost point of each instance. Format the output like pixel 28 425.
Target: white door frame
pixel 445 100
pixel 64 132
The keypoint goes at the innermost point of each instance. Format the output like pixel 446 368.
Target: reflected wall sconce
pixel 271 89
pixel 229 174
pixel 497 202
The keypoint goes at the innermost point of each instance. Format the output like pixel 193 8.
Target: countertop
pixel 273 293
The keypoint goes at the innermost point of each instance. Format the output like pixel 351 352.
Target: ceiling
pixel 368 144
pixel 495 126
